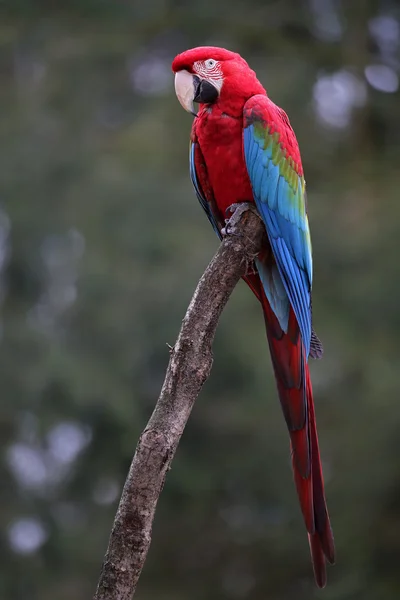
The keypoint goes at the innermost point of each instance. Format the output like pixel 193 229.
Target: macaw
pixel 244 150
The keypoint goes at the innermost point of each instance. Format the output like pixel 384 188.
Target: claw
pixel 237 211
pixel 229 229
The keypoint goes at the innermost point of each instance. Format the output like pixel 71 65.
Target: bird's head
pixel 207 75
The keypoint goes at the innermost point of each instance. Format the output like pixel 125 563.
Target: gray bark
pixel 189 367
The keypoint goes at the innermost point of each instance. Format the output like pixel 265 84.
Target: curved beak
pixel 190 88
pixel 185 90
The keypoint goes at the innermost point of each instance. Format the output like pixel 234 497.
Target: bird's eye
pixel 210 63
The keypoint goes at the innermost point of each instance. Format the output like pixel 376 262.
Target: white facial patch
pixel 210 70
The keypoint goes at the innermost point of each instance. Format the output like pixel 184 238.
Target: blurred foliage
pixel 102 242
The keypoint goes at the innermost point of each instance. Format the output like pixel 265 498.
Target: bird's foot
pixel 236 211
pixel 251 267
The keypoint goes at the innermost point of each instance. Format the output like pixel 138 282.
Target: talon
pixel 170 348
pixel 251 270
pixel 231 209
pixel 229 230
pixel 237 209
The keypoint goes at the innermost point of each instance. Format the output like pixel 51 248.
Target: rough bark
pixel 189 367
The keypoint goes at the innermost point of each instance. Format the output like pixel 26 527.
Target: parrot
pixel 244 154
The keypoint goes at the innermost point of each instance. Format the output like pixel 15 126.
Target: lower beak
pixel 190 88
pixel 185 90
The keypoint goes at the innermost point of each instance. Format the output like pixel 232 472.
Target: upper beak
pixel 185 90
pixel 190 88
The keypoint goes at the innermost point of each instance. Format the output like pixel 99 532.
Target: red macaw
pixel 243 149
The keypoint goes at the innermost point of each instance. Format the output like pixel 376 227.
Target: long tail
pixel 296 397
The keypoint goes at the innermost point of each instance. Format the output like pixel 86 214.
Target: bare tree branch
pixel 189 367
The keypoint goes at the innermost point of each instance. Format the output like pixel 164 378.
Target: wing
pixel 274 167
pixel 198 166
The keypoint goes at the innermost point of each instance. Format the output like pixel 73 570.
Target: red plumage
pixel 223 179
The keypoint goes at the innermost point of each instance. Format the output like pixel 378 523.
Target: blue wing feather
pixel 281 203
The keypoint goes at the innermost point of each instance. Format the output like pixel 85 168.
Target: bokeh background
pixel 102 242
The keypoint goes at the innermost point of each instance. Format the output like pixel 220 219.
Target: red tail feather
pixel 295 394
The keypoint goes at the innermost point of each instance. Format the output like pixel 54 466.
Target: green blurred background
pixel 102 242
